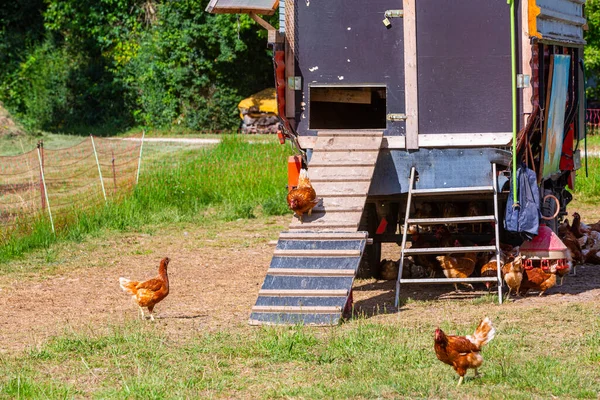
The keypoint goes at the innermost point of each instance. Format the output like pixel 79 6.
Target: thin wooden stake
pixel 45 189
pixel 137 176
pixel 99 170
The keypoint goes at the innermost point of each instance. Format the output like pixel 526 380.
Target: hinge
pixel 294 82
pixel 396 117
pixel 523 81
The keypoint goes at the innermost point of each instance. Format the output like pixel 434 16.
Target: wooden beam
pixel 261 21
pixel 341 95
pixel 297 309
pixel 410 74
pixel 303 292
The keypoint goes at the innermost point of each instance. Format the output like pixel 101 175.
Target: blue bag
pixel 524 219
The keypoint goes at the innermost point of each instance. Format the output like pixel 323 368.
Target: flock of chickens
pixel 461 352
pixel 581 240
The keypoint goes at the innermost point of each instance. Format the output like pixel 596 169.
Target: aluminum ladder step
pixel 451 280
pixel 456 190
pixel 452 220
pixel 449 250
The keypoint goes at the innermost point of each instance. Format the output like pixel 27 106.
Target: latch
pixel 523 81
pixel 392 14
pixel 294 82
pixel 396 117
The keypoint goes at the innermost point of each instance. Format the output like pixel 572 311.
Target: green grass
pixel 359 359
pixel 234 179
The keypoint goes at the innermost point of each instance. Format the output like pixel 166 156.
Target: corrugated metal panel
pixel 557 20
pixel 266 7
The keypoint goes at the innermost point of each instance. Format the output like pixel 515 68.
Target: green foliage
pixel 38 89
pixel 114 63
pixel 592 48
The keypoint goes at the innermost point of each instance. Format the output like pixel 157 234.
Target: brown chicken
pixel 537 279
pixel 490 269
pixel 476 209
pixel 150 292
pixel 458 267
pixel 303 198
pixel 426 261
pixel 576 227
pixel 463 352
pixel 444 237
pixel 513 274
pixel 569 239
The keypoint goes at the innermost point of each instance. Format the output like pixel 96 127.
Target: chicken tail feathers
pixel 127 285
pixel 484 333
pixel 303 180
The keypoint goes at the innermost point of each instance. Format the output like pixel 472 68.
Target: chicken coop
pixel 414 113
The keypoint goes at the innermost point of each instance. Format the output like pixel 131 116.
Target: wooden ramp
pixel 310 277
pixel 340 169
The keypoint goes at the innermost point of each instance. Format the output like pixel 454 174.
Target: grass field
pixel 68 332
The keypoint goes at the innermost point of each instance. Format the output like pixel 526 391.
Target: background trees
pixel 69 65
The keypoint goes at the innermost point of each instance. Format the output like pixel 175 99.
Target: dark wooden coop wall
pixel 464 71
pixel 463 50
pixel 344 42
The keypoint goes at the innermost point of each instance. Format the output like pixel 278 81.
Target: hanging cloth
pixel 523 218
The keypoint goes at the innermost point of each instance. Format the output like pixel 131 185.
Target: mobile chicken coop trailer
pixel 394 103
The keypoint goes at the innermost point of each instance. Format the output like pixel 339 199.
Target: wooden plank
pixel 453 220
pixel 449 250
pixel 341 179
pixel 346 219
pixel 343 189
pixel 314 263
pixel 339 95
pixel 297 309
pixel 350 133
pixel 343 144
pixel 445 191
pixel 327 228
pixel 411 93
pixel 347 173
pixel 303 293
pixel 310 272
pixel 323 236
pixel 317 253
pixel 349 158
pixel 323 210
pixel 341 202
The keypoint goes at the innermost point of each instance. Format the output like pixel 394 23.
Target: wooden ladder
pixel 493 188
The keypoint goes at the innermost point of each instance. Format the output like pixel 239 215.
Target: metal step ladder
pixel 438 221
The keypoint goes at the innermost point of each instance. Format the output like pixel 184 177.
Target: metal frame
pixel 440 250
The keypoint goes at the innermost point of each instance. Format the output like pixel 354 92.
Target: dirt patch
pixel 215 275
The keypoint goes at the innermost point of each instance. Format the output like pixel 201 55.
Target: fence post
pixel 40 146
pixel 137 176
pixel 44 186
pixel 99 170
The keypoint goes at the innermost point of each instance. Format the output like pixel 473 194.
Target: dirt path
pixel 215 275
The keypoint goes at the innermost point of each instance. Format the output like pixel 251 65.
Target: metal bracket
pixel 523 81
pixel 396 117
pixel 294 82
pixel 394 13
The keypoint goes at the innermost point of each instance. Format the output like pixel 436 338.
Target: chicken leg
pixel 142 313
pixel 460 380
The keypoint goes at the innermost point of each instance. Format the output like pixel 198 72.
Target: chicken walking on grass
pixel 148 293
pixel 462 352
